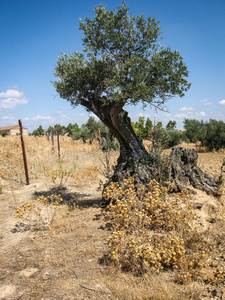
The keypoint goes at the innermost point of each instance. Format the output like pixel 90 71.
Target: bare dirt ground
pixel 66 262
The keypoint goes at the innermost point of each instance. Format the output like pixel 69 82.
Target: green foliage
pixel 214 138
pixel 192 127
pixel 148 125
pixel 158 137
pixel 174 138
pixel 85 133
pixel 161 138
pixel 3 133
pixel 211 134
pixel 125 63
pixel 72 129
pixel 49 130
pixel 61 129
pixel 171 125
pixel 142 127
pixel 38 132
pixel 88 132
pixel 164 138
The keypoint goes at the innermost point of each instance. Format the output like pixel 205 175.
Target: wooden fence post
pixel 52 136
pixel 58 141
pixel 24 153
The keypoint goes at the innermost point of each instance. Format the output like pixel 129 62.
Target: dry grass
pixel 68 260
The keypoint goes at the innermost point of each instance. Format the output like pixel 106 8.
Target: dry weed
pixel 42 214
pixel 154 231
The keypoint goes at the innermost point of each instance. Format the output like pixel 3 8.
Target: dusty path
pixel 33 262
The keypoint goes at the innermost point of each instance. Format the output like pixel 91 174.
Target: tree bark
pixel 184 172
pixel 134 161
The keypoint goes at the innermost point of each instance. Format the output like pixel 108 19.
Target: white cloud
pixel 166 114
pixel 11 94
pixel 190 115
pixel 186 109
pixel 222 102
pixel 206 102
pixel 142 115
pixel 9 120
pixel 40 118
pixel 10 103
pixel 181 116
pixel 33 122
pixel 11 98
pixel 201 114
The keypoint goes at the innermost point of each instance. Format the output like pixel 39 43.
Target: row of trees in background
pixel 161 137
pixel 210 134
pixel 87 132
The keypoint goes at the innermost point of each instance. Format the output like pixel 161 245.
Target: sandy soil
pixel 66 261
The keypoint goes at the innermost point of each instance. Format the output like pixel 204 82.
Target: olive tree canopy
pixel 122 63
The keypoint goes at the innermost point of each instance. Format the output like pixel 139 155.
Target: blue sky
pixel 33 34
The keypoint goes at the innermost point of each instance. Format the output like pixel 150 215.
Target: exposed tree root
pixel 184 172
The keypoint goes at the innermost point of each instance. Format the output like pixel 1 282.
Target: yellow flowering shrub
pixel 150 227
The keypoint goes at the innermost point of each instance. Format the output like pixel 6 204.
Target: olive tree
pixel 123 63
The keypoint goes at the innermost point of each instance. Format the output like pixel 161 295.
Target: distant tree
pixel 192 127
pixel 61 129
pixel 49 130
pixel 211 134
pixel 38 132
pixel 3 133
pixel 148 127
pixel 142 127
pixel 87 130
pixel 92 125
pixel 72 129
pixel 85 133
pixel 124 63
pixel 174 138
pixel 214 135
pixel 171 125
pixel 159 125
pixel 90 128
pixel 158 137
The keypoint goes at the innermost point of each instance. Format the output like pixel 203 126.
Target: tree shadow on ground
pixel 72 199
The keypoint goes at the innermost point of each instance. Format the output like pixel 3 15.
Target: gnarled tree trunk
pixel 185 173
pixel 133 158
pixel 134 161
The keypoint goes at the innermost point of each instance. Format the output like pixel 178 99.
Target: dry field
pixel 58 252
